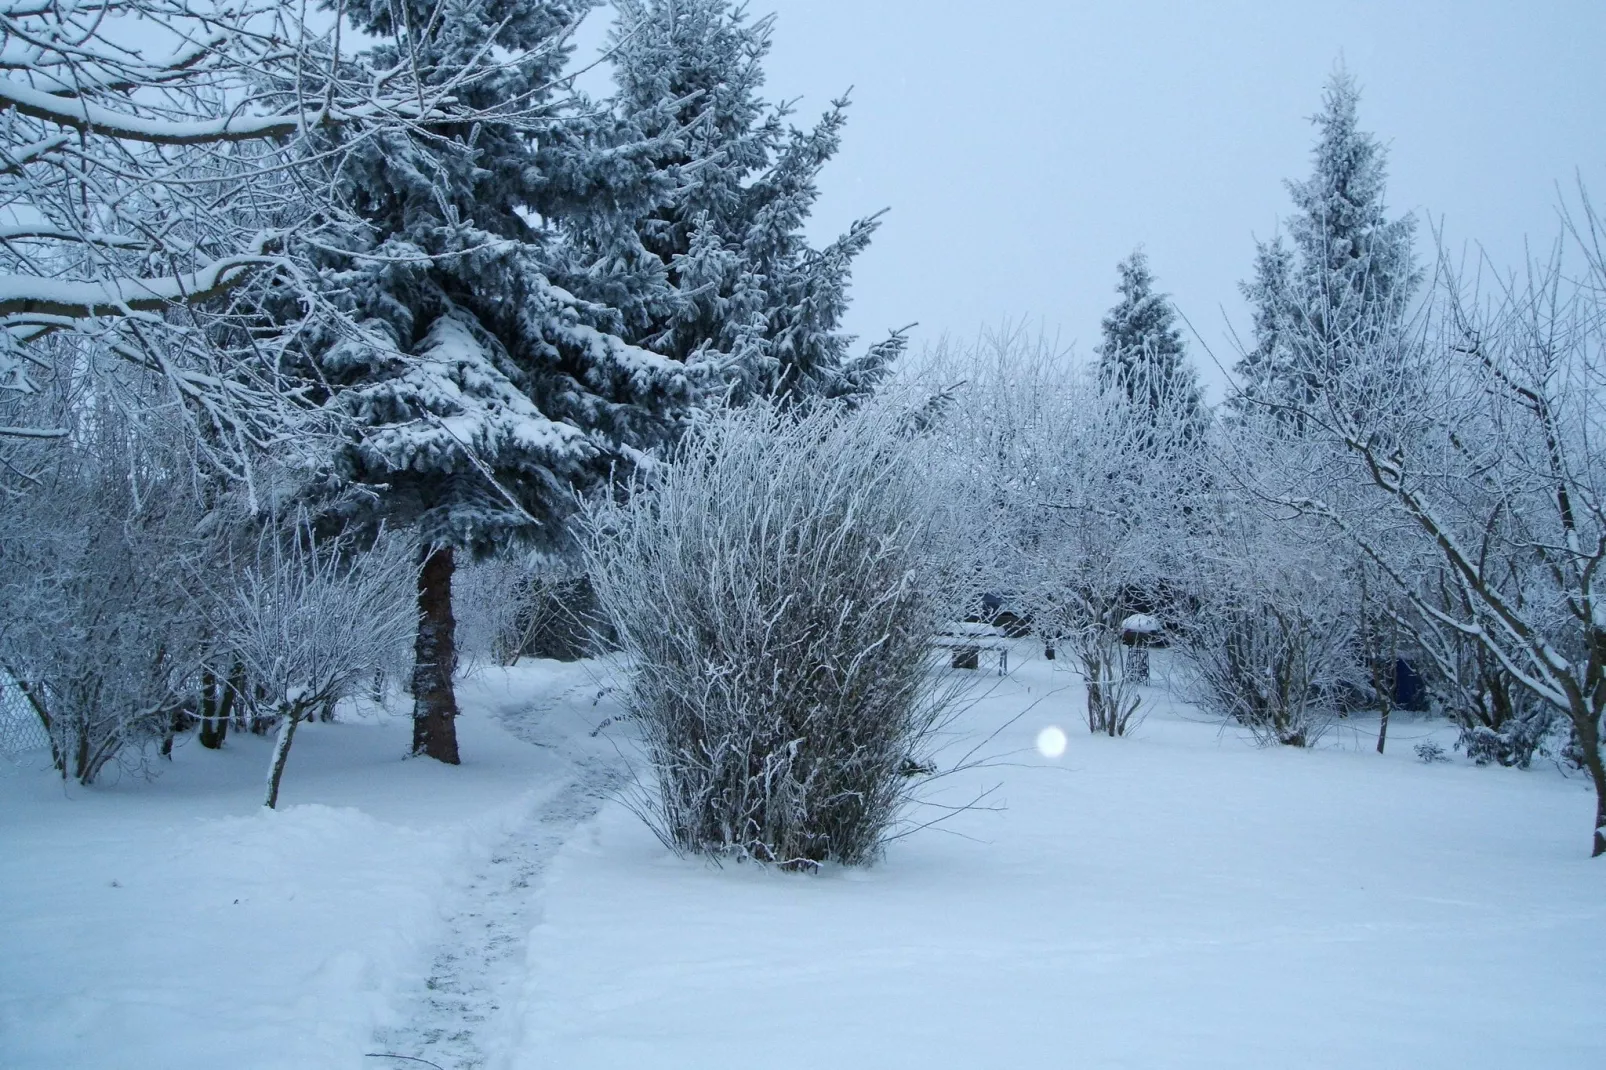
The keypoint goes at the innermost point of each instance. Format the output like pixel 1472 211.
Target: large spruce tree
pixel 751 305
pixel 488 393
pixel 1347 277
pixel 1142 353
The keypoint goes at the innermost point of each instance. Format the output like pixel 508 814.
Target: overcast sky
pixel 1025 146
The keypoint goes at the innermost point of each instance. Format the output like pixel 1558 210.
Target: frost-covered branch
pixel 166 178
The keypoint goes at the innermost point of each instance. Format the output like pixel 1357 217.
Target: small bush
pixel 1270 667
pixel 771 593
pixel 1429 752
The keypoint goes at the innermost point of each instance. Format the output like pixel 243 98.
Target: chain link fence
pixel 20 731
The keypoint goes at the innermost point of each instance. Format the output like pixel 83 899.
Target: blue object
pixel 1410 693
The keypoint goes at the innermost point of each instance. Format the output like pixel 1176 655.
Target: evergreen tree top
pixel 1142 354
pixel 492 382
pixel 1143 324
pixel 746 301
pixel 1342 220
pixel 1345 278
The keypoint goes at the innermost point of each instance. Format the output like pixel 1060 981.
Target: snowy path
pixel 462 1015
pixel 175 923
pixel 456 1019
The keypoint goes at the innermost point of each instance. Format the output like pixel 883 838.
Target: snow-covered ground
pixel 1179 898
pixel 177 924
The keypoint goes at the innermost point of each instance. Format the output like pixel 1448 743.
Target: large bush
pixel 772 591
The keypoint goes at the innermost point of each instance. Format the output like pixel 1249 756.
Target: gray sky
pixel 1025 146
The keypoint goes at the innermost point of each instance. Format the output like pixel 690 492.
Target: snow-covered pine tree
pixel 1263 369
pixel 496 393
pixel 1346 283
pixel 1142 353
pixel 754 307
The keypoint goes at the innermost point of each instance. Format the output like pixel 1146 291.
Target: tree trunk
pixel 1092 672
pixel 288 719
pixel 214 724
pixel 1588 729
pixel 1597 773
pixel 81 767
pixel 175 724
pixel 1600 813
pixel 434 658
pixel 1384 682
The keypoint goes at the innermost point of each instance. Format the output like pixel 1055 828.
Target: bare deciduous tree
pixel 1075 494
pixel 310 622
pixel 95 625
pixel 1489 456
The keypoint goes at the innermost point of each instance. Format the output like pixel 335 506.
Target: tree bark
pixel 1599 847
pixel 214 727
pixel 1597 774
pixel 434 658
pixel 175 725
pixel 288 719
pixel 217 705
pixel 1384 682
pixel 1586 725
pixel 1383 725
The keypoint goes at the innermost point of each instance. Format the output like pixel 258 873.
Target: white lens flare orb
pixel 1051 742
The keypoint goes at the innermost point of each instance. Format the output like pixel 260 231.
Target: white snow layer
pixel 1174 899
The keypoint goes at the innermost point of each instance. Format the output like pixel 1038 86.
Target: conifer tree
pixel 489 394
pixel 1346 281
pixel 752 306
pixel 1142 353
pixel 1264 370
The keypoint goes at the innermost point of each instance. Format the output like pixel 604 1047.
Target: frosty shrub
pixel 527 606
pixel 771 591
pixel 1271 667
pixel 311 621
pixel 1430 753
pixel 1272 633
pixel 1502 722
pixel 96 631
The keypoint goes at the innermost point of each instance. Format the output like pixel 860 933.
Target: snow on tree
pixel 310 621
pixel 1072 497
pixel 1479 486
pixel 498 394
pixel 1142 353
pixel 1265 372
pixel 750 302
pixel 1349 274
pixel 154 196
pixel 776 594
pixel 97 539
pixel 1271 626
